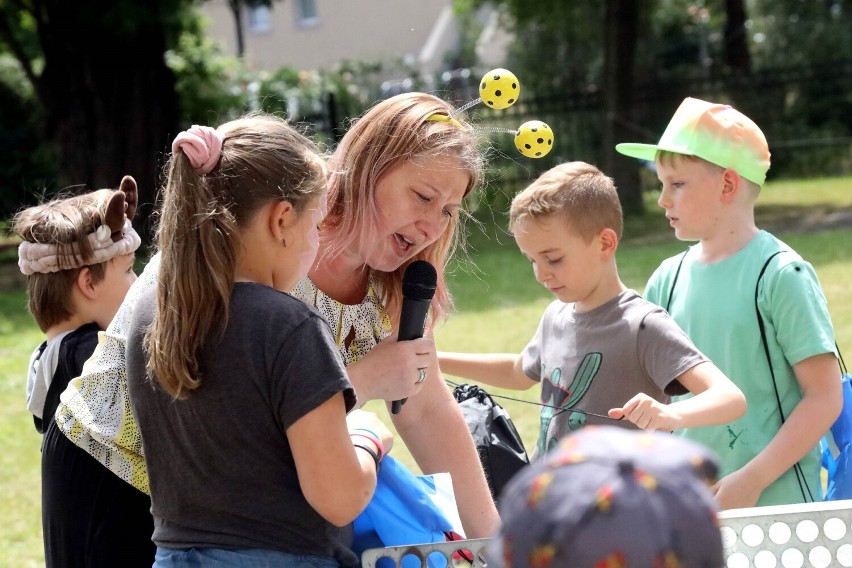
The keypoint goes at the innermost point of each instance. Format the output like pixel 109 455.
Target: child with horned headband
pixel 399 177
pixel 237 387
pixel 78 255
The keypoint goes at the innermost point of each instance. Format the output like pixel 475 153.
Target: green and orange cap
pixel 714 132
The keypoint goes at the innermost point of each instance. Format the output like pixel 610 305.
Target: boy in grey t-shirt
pixel 601 352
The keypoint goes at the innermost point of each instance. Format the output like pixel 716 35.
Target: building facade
pixel 317 34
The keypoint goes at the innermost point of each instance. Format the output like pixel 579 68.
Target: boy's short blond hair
pixel 577 192
pixel 667 158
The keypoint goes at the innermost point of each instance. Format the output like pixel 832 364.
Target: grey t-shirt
pixel 597 360
pixel 221 470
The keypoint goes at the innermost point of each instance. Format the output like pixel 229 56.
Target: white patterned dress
pixel 94 411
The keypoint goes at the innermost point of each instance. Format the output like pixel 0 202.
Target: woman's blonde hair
pixel 263 159
pixel 393 132
pixel 66 224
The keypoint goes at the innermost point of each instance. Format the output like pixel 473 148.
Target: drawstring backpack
pixel 500 448
pixel 836 458
pixel 837 467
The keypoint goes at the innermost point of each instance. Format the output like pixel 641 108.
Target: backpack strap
pixel 762 326
pixel 674 280
pixel 800 475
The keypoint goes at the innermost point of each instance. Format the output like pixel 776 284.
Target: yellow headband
pixel 444 118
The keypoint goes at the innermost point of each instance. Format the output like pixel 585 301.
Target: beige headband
pixel 46 258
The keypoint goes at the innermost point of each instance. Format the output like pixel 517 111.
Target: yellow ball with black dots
pixel 499 88
pixel 534 139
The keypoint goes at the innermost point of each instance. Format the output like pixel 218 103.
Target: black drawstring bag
pixel 500 448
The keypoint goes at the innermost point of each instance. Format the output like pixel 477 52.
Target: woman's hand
pixel 391 371
pixel 369 421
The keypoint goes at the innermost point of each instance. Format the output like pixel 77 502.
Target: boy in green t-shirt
pixel 712 161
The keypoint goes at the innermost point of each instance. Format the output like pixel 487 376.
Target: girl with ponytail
pixel 237 387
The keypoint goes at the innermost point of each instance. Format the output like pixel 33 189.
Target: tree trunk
pixel 237 11
pixel 737 55
pixel 110 99
pixel 620 36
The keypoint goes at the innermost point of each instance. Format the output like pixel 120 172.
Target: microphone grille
pixel 419 280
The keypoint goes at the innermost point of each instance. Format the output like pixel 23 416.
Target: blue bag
pixel 402 511
pixel 839 467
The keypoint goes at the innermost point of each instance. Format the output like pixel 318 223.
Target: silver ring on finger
pixel 423 372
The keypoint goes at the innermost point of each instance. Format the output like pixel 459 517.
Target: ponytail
pixel 217 181
pixel 198 240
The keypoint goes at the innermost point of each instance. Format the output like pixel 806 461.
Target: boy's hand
pixel 736 490
pixel 646 413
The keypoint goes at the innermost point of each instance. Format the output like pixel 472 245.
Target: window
pixel 258 19
pixel 306 13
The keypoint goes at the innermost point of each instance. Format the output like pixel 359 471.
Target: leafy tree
pixel 25 162
pixel 105 86
pixel 737 54
pixel 97 72
pixel 796 32
pixel 814 38
pixel 571 47
pixel 211 85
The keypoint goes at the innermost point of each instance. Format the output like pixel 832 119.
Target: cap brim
pixel 641 151
pixel 647 151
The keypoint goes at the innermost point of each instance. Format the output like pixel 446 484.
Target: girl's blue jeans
pixel 244 558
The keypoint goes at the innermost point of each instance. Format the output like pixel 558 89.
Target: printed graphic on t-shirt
pixel 733 437
pixel 558 397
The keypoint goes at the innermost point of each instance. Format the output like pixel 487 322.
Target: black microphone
pixel 418 287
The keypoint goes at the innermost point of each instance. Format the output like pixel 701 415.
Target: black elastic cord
pixel 541 404
pixel 674 281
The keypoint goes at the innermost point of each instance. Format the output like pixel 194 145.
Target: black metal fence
pixel 805 112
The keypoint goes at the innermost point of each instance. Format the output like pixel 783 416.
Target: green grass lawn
pixel 20 477
pixel 498 305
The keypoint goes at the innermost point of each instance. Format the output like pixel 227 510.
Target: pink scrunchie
pixel 202 145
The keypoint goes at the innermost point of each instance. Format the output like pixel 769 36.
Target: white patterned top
pixel 94 411
pixel 357 328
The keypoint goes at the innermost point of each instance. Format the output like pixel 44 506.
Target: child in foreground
pixel 608 496
pixel 712 161
pixel 78 255
pixel 601 352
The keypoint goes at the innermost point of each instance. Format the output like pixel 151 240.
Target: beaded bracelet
pixel 369 435
pixel 373 455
